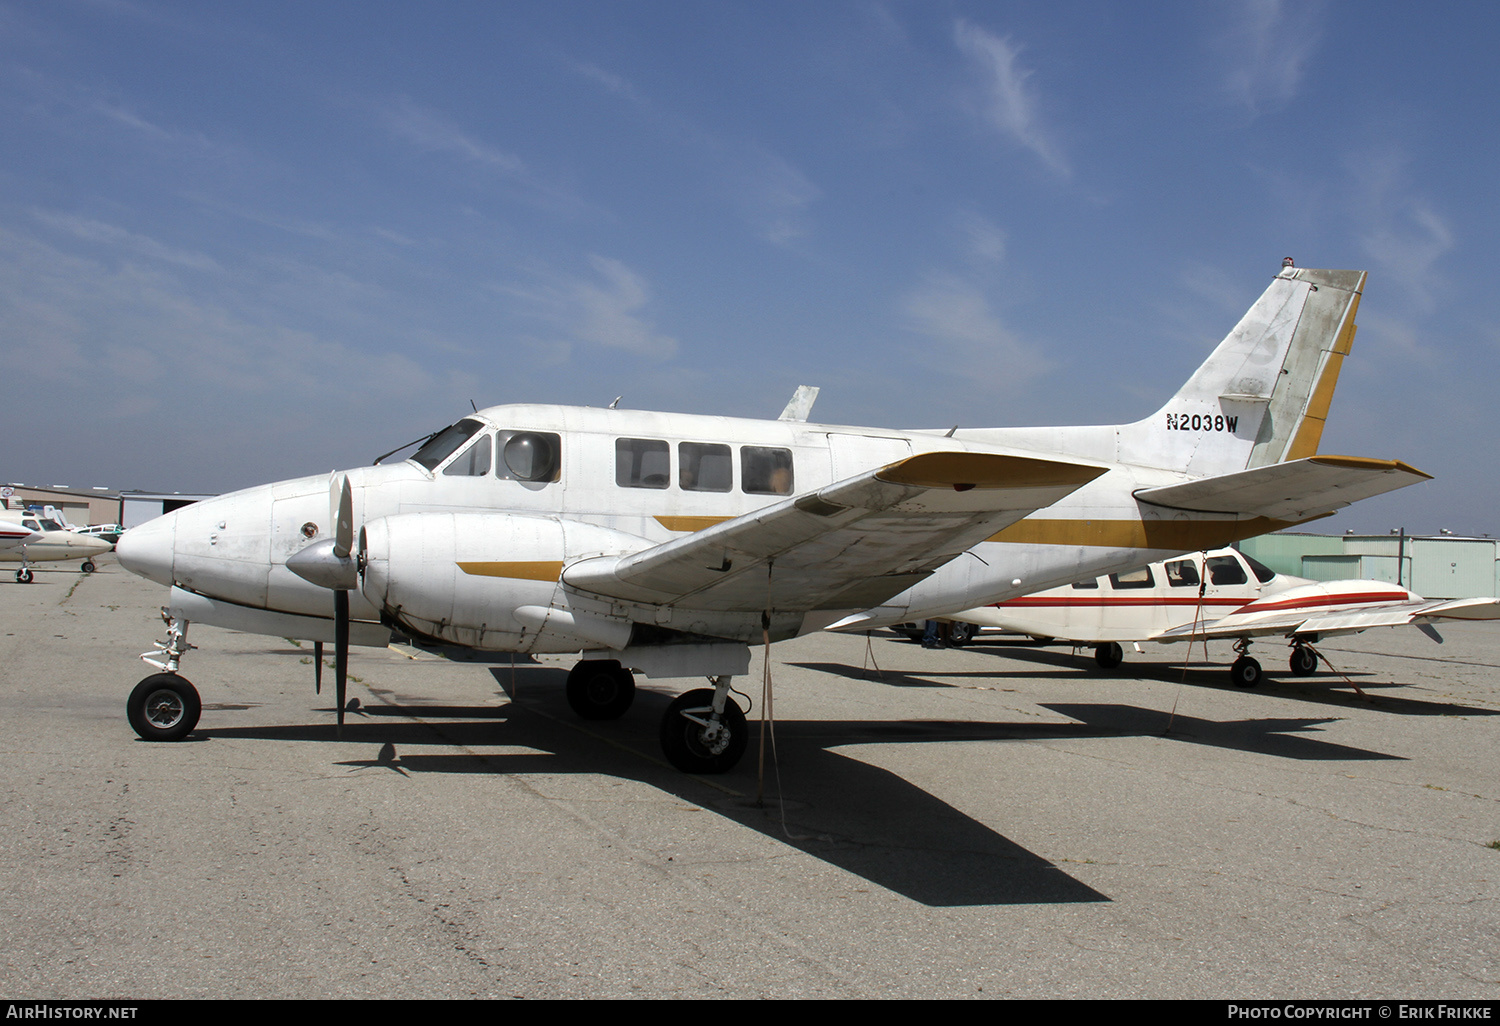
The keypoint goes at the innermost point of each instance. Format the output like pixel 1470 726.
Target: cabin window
pixel 702 467
pixel 642 463
pixel 765 471
pixel 473 461
pixel 1132 579
pixel 446 442
pixel 529 456
pixel 1183 573
pixel 1226 570
pixel 1091 583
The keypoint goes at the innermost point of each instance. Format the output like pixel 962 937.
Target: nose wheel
pixel 163 707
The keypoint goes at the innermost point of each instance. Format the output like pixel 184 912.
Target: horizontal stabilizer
pixel 1288 491
pixel 850 545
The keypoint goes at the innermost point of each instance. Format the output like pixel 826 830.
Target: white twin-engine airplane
pixel 666 544
pixel 1220 595
pixel 35 538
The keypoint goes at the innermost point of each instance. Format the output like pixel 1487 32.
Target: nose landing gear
pixel 165 706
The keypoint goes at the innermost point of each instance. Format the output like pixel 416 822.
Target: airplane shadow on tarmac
pixel 858 817
pixel 1325 687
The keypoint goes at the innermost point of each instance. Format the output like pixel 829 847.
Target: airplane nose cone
pixel 147 550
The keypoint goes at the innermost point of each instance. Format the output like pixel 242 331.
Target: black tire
pixel 682 739
pixel 23 576
pixel 961 632
pixel 163 707
pixel 600 689
pixel 1304 662
pixel 88 566
pixel 1245 673
pixel 1109 655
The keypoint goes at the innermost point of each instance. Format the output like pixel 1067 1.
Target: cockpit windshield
pixel 1263 573
pixel 443 444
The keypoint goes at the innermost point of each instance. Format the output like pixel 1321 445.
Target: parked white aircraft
pixel 1222 595
pixel 666 543
pixel 33 538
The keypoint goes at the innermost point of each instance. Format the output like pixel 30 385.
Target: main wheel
pixel 23 576
pixel 88 566
pixel 164 707
pixel 694 747
pixel 961 632
pixel 1109 655
pixel 1304 661
pixel 600 689
pixel 1245 673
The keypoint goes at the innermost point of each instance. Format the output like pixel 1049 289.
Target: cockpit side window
pixel 1225 570
pixel 529 456
pixel 765 471
pixel 642 463
pixel 473 461
pixel 1263 573
pixel 446 442
pixel 703 467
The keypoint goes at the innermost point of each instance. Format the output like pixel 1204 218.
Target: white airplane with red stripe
pixel 1221 595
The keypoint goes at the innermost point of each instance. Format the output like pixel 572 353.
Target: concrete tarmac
pixel 995 821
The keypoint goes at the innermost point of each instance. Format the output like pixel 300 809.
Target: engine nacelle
pixel 462 577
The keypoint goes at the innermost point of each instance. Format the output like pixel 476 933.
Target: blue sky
pixel 247 241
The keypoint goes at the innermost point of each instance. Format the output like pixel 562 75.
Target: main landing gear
pixel 1246 672
pixel 165 706
pixel 702 731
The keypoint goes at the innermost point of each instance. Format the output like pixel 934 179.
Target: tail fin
pixel 1262 396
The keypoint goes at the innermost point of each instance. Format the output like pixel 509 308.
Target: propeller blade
pixel 340 649
pixel 341 512
pixel 317 667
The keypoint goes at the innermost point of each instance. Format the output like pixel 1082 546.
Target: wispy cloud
pixel 956 314
pixel 431 130
pixel 119 238
pixel 1267 47
pixel 1009 103
pixel 605 311
pixel 1403 234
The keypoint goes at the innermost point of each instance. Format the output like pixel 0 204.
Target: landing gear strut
pixel 165 706
pixel 704 731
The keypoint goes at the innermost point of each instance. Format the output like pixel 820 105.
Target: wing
pixel 850 545
pixel 1296 490
pixel 1300 615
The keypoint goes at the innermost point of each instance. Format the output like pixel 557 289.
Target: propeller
pixel 331 564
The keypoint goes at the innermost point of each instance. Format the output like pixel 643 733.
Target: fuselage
pixel 644 478
pixel 34 539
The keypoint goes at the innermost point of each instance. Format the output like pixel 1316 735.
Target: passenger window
pixel 1133 579
pixel 765 471
pixel 702 467
pixel 642 463
pixel 1091 584
pixel 1226 570
pixel 473 461
pixel 529 456
pixel 1183 573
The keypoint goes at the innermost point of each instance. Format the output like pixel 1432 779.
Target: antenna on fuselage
pixel 616 404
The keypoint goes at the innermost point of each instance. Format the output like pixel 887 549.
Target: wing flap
pixel 1295 490
pixel 852 544
pixel 1337 621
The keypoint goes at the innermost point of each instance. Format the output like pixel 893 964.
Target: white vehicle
pixel 1222 595
pixel 32 538
pixel 667 544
